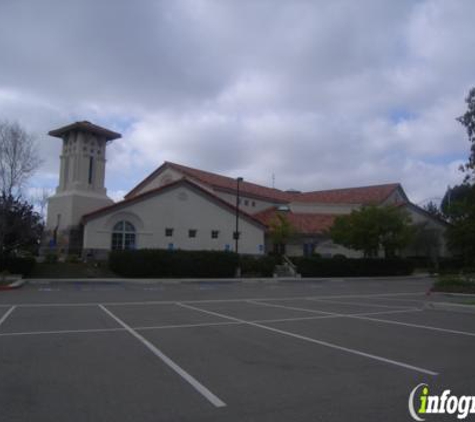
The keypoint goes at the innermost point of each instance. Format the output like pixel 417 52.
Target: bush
pixel 15 265
pixel 352 267
pixel 261 266
pixel 455 284
pixel 158 263
pixel 451 265
pixel 72 259
pixel 51 258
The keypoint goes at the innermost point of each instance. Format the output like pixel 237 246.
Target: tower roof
pixel 85 126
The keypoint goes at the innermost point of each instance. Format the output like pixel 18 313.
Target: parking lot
pixel 330 350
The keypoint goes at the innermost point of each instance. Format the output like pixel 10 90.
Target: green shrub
pixel 72 259
pixel 455 284
pixel 51 258
pixel 451 265
pixel 352 267
pixel 258 266
pixel 158 263
pixel 15 265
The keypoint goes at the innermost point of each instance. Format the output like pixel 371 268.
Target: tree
pixel 373 228
pixel 455 202
pixel 425 241
pixel 461 233
pixel 20 227
pixel 40 201
pixel 19 157
pixel 433 209
pixel 468 120
pixel 281 230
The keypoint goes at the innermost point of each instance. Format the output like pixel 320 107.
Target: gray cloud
pixel 321 94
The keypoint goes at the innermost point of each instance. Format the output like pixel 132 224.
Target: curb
pixel 469 295
pixel 455 307
pixel 145 281
pixel 223 281
pixel 15 285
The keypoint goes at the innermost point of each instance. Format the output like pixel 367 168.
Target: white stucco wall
pixel 180 208
pixel 248 204
pixel 315 208
pixel 71 206
pixel 395 198
pixel 438 228
pixel 165 177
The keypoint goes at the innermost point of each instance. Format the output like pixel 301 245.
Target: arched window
pixel 123 236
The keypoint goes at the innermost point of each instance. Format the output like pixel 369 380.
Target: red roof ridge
pixel 377 193
pixel 379 185
pixel 194 172
pixel 304 223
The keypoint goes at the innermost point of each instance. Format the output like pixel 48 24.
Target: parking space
pixel 56 318
pixel 232 352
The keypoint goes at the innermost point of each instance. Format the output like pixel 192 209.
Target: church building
pixel 178 207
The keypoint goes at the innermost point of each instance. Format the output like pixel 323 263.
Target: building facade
pixel 179 207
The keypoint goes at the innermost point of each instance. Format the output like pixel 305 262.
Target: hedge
pixel 159 263
pixel 23 266
pixel 260 266
pixel 455 284
pixel 352 267
pixel 443 265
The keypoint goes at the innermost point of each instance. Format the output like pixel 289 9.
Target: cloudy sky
pixel 322 94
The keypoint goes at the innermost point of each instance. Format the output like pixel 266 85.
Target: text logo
pixel 422 404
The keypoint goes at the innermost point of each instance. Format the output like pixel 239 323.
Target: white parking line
pixel 176 326
pixel 319 342
pixel 6 315
pixel 408 324
pixel 171 302
pixel 357 303
pixel 369 318
pixel 84 331
pixel 216 401
pixel 336 314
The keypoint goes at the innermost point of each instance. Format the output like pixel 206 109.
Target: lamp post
pixel 236 233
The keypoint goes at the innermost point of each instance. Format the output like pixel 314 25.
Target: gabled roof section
pixel 154 192
pixel 302 223
pixel 364 195
pixel 85 126
pixel 218 182
pixel 427 214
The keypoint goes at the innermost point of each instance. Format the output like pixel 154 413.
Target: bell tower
pixel 81 187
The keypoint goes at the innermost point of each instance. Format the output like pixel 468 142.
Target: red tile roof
pixel 360 195
pixel 303 223
pixel 219 182
pixel 143 196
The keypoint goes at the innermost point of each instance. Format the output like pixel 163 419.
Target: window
pixel 253 203
pixel 308 249
pixel 236 235
pixel 214 234
pixel 246 202
pixel 192 233
pixel 123 236
pixel 168 232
